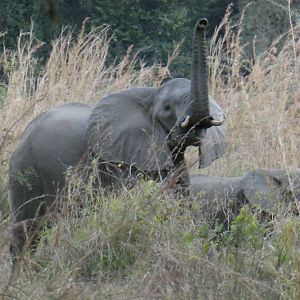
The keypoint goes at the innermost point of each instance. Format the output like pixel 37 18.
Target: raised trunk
pixel 199 105
pixel 197 111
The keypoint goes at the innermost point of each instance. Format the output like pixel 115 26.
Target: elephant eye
pixel 167 106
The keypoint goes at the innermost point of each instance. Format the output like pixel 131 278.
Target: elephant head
pixel 147 128
pixel 267 188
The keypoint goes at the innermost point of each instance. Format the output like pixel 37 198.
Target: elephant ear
pixel 121 130
pixel 261 189
pixel 213 144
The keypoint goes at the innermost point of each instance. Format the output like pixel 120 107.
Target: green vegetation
pixel 155 26
pixel 147 243
pixel 144 244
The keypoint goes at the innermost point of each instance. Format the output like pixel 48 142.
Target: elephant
pixel 136 131
pixel 266 189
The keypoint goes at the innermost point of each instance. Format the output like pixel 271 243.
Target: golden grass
pixel 262 108
pixel 143 245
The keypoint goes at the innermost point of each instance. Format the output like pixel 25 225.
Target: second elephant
pixel 266 189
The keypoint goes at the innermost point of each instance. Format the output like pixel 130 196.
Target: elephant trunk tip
pixel 202 23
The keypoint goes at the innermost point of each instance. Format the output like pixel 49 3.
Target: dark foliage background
pixel 154 25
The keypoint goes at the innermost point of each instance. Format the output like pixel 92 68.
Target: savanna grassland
pixel 143 243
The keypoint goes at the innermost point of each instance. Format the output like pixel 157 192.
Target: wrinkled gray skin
pixel 145 129
pixel 266 189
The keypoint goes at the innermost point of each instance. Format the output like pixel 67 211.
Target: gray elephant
pixel 140 130
pixel 267 189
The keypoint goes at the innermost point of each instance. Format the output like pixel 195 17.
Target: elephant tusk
pixel 186 121
pixel 217 122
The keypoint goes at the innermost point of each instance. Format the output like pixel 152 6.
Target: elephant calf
pixel 267 189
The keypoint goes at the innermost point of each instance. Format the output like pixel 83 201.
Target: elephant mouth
pixel 195 136
pixel 191 136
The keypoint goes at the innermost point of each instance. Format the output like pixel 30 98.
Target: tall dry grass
pixel 262 107
pixel 141 244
